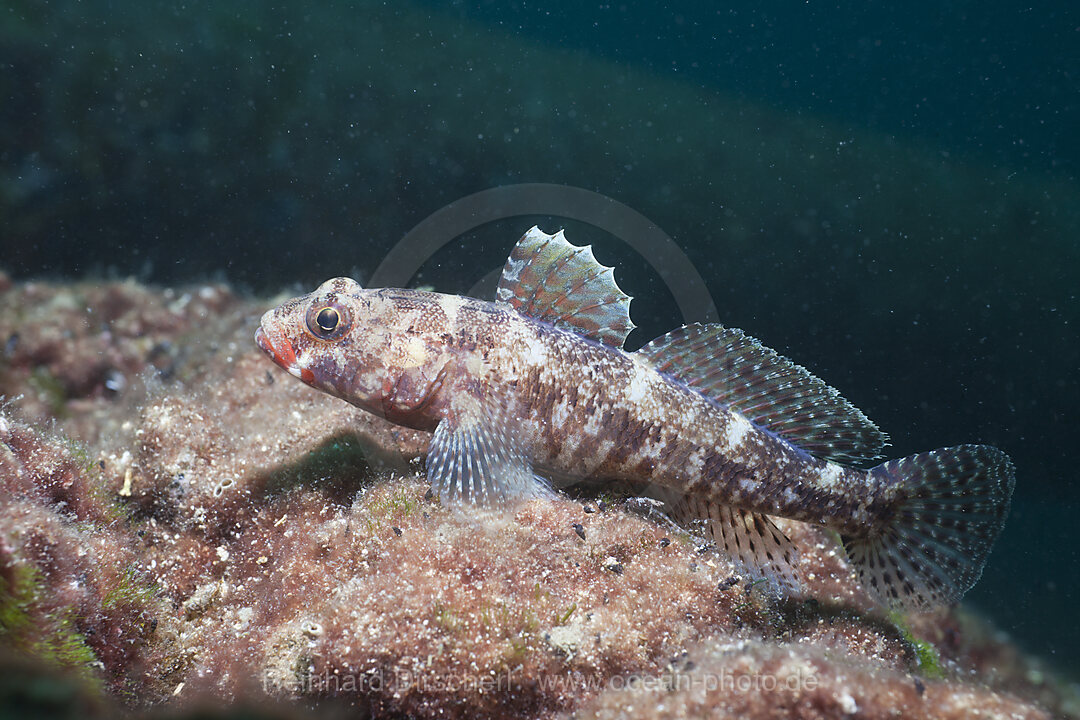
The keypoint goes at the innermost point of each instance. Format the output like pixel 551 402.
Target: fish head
pixel 378 349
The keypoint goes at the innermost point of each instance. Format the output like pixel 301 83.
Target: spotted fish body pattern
pixel 536 387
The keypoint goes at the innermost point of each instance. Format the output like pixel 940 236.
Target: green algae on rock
pixel 72 590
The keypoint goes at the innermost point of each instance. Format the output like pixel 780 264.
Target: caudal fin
pixel 951 506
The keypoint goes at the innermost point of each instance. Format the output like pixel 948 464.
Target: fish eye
pixel 327 321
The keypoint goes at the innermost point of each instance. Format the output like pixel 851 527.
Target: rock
pixel 218 532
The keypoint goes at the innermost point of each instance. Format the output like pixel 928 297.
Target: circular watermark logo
pixel 623 222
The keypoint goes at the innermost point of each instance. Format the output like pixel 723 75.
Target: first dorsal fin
pixel 549 279
pixel 771 391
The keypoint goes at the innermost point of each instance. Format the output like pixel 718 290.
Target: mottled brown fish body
pixel 722 429
pixel 596 412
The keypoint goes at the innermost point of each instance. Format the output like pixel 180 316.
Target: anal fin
pixel 757 547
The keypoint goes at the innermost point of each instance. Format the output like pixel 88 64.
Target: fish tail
pixel 951 505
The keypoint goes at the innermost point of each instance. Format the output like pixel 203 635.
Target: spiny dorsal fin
pixel 549 279
pixel 738 372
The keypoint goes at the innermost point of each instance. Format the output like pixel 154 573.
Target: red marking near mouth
pixel 283 354
pixel 262 342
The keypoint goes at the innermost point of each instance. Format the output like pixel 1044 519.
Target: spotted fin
pixel 771 391
pixel 549 279
pixel 953 503
pixel 758 548
pixel 476 454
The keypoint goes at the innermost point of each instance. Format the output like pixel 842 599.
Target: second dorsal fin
pixel 549 279
pixel 737 371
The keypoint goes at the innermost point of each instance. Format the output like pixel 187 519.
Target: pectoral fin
pixel 477 455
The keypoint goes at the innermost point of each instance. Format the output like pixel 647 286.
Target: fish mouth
pixel 282 354
pixel 263 343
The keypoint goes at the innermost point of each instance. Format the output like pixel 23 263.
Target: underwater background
pixel 888 196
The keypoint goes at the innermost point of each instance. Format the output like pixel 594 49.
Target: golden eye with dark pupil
pixel 327 319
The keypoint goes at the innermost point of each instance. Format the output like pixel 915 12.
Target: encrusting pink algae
pixel 182 526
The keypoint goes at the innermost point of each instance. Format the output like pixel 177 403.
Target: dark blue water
pixel 887 194
pixel 996 80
